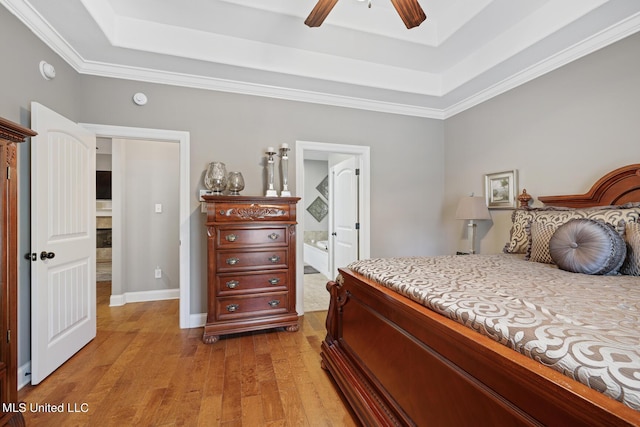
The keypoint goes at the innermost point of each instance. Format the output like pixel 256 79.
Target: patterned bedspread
pixel 587 327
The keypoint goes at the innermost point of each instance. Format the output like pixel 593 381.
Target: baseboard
pixel 24 375
pixel 143 296
pixel 197 320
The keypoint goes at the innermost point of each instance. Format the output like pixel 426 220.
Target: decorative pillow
pixel 518 237
pixel 617 216
pixel 587 246
pixel 539 236
pixel 631 265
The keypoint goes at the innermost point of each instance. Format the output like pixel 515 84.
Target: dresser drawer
pixel 230 284
pixel 232 237
pixel 234 212
pixel 249 259
pixel 251 305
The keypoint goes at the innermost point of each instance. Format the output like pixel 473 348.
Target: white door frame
pixel 183 138
pixel 363 160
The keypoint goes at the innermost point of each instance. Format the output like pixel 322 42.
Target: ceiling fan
pixel 409 10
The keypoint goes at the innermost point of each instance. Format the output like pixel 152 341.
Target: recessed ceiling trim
pixel 215 48
pixel 222 85
pixel 449 20
pixel 380 19
pixel 523 35
pixel 604 38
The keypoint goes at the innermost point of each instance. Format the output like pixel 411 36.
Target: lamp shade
pixel 472 208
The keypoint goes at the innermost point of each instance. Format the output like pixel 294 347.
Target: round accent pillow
pixel 587 246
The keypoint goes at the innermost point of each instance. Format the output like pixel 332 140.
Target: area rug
pixel 310 270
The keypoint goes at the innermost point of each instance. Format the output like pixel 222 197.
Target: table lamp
pixel 473 209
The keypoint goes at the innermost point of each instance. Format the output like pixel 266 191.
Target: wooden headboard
pixel 615 188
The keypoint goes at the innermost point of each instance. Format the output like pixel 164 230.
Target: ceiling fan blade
pixel 410 11
pixel 320 12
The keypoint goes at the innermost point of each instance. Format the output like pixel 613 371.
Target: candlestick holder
pixel 284 165
pixel 271 191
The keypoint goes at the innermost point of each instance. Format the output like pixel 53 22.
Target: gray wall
pixel 314 172
pixel 150 240
pixel 561 131
pixel 406 152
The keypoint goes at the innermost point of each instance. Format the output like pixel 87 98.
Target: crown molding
pixel 245 88
pixel 33 20
pixel 602 39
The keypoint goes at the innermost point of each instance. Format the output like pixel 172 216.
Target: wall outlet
pixel 205 193
pixel 158 273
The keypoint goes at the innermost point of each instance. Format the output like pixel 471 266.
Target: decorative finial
pixel 524 199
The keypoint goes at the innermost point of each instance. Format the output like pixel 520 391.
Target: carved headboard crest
pixel 615 188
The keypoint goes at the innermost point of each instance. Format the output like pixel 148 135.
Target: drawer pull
pixel 274 281
pixel 274 236
pixel 274 303
pixel 233 307
pixel 233 261
pixel 231 237
pixel 232 284
pixel 274 259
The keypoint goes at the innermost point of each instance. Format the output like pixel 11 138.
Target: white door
pixel 63 240
pixel 343 188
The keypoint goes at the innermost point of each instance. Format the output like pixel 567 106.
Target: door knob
pixel 46 255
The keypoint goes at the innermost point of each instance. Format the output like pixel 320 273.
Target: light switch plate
pixel 158 207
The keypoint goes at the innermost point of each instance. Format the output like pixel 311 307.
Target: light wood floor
pixel 142 370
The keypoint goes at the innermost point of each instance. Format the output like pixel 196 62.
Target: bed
pixel 399 362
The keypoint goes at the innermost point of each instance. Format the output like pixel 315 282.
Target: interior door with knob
pixel 63 240
pixel 343 217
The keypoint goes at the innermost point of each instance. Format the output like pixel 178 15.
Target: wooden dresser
pixel 251 259
pixel 10 134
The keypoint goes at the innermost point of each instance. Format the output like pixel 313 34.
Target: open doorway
pixel 183 140
pixel 313 223
pixel 314 161
pixel 137 223
pixel 104 221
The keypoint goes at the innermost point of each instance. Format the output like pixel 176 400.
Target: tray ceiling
pixel 466 51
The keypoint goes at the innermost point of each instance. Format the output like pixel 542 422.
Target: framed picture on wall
pixel 501 189
pixel 323 187
pixel 318 209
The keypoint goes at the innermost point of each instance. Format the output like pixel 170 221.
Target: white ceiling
pixel 466 51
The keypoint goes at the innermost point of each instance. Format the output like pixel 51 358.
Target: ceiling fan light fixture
pixel 320 12
pixel 409 10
